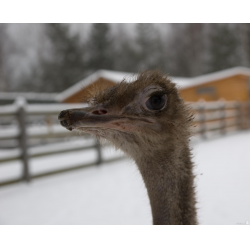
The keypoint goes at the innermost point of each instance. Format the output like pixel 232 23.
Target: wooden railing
pixel 23 131
pixel 220 117
pixel 209 118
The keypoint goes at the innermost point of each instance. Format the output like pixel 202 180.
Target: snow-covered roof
pixel 194 81
pixel 114 76
pixel 182 82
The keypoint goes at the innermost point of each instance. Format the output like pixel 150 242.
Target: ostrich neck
pixel 169 181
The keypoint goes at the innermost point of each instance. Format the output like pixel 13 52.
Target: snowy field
pixel 114 193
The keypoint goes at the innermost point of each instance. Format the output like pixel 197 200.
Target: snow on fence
pixel 209 118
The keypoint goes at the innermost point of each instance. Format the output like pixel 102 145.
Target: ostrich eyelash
pixel 157 93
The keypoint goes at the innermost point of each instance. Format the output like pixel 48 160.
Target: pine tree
pixel 2 60
pixel 223 48
pixel 100 48
pixel 124 49
pixel 187 49
pixel 243 29
pixel 150 52
pixel 63 67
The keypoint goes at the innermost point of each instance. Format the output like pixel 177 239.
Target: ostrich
pixel 149 121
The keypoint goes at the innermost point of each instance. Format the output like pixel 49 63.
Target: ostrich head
pixel 150 122
pixel 143 116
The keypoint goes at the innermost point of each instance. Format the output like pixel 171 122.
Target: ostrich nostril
pixel 62 114
pixel 100 112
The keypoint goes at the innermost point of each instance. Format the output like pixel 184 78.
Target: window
pixel 206 90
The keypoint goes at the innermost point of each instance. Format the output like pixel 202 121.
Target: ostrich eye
pixel 156 102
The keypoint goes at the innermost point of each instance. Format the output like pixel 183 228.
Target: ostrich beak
pixel 99 118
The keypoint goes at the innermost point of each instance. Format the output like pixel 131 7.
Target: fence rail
pixel 23 132
pixel 220 116
pixel 209 117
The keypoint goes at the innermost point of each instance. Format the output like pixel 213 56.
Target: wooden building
pixel 101 78
pixel 230 84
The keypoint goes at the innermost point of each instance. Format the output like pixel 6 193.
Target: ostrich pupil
pixel 156 102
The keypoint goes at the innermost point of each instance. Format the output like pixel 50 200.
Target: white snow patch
pixel 114 193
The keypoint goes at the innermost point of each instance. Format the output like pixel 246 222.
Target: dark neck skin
pixel 169 183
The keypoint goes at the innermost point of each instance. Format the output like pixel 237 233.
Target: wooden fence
pixel 220 117
pixel 209 118
pixel 22 113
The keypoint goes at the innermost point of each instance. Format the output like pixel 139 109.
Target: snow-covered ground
pixel 114 193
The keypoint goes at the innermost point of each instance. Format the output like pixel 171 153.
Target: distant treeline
pixel 178 49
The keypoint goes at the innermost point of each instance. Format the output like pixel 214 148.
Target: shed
pixel 230 84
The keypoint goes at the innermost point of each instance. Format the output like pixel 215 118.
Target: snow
pixel 181 81
pixel 33 130
pixel 114 76
pixel 28 96
pixel 218 75
pixel 53 108
pixel 223 184
pixel 114 193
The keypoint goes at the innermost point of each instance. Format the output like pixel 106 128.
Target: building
pixel 230 84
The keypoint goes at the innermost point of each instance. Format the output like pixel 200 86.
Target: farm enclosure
pixel 29 131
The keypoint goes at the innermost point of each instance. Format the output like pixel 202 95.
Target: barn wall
pixel 80 96
pixel 233 88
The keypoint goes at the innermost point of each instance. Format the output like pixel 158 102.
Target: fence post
pixel 99 153
pixel 222 116
pixel 248 104
pixel 202 119
pixel 21 116
pixel 248 114
pixel 239 115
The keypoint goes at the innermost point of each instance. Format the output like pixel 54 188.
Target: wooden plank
pixel 222 118
pixel 215 115
pixel 23 139
pixel 76 167
pixel 15 135
pixel 202 120
pixel 42 135
pixel 51 152
pixel 60 151
pixel 216 126
pixel 99 152
pixel 248 114
pixel 213 105
pixel 10 158
pixel 51 109
pixel 238 116
pixel 11 181
pixel 60 171
pixel 8 110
